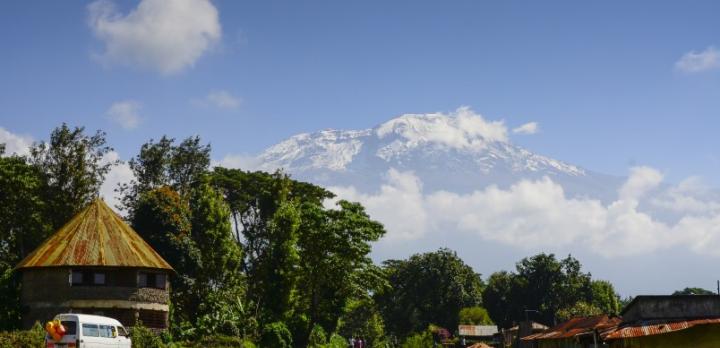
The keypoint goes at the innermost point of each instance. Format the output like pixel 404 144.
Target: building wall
pixel 701 336
pixel 670 307
pixel 48 291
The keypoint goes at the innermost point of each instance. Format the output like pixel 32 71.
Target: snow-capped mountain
pixel 458 152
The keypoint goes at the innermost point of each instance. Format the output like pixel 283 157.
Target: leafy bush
pixel 419 340
pixel 276 335
pixel 318 338
pixel 474 316
pixel 362 319
pixel 337 341
pixel 32 338
pixel 143 337
pixel 218 341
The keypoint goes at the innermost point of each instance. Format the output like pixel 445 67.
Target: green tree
pixel 474 316
pixel 362 318
pixel 693 291
pixel 23 219
pixel 427 288
pixel 163 163
pixel 276 335
pixel 335 267
pixel 195 236
pixel 578 310
pixel 75 165
pixel 604 297
pixel 422 339
pixel 541 286
pixel 502 298
pixel 279 275
pixel 220 256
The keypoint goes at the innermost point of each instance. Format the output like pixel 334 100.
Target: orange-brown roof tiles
pixel 96 236
pixel 576 326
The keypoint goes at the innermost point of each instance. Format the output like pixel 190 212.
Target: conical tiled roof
pixel 96 236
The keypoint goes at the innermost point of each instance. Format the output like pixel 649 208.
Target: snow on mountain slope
pixel 460 151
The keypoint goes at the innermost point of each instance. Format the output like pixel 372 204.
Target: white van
pixel 89 331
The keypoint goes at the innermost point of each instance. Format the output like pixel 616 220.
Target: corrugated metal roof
pixel 535 326
pixel 96 236
pixel 576 326
pixel 657 327
pixel 477 330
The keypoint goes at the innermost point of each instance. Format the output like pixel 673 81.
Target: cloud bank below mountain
pixel 538 213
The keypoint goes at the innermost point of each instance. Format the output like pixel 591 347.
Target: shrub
pixel 276 335
pixel 217 341
pixel 337 341
pixel 318 338
pixel 474 316
pixel 32 338
pixel 419 340
pixel 143 337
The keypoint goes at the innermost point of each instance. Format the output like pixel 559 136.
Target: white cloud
pixel 164 35
pixel 244 162
pixel 398 205
pixel 462 129
pixel 220 99
pixel 528 128
pixel 14 143
pixel 125 113
pixel 538 213
pixel 694 62
pixel 120 173
pixel 641 180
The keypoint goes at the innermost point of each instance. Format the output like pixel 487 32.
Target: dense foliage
pixel 426 289
pixel 693 291
pixel 542 287
pixel 263 258
pixel 33 338
pixel 474 316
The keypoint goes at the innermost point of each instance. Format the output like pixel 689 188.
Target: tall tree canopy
pixel 75 165
pixel 335 267
pixel 164 163
pixel 693 291
pixel 426 289
pixel 541 286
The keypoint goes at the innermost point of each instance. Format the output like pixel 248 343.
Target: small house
pixel 668 321
pixel 96 264
pixel 584 332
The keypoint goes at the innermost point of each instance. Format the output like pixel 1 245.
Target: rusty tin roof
pixel 96 236
pixel 576 326
pixel 656 327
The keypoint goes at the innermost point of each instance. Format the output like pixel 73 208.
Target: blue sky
pixel 600 79
pixel 612 84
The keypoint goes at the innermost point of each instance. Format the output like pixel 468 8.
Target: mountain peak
pixel 461 141
pixel 462 129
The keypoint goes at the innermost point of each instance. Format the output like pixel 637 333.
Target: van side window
pixel 70 327
pixel 90 330
pixel 121 331
pixel 106 331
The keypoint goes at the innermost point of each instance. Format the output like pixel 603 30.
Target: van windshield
pixel 121 331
